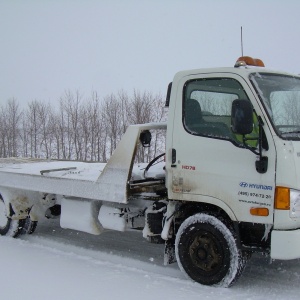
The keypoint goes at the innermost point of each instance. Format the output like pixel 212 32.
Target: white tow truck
pixel 228 186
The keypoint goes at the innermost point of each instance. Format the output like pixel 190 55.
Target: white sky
pixel 48 47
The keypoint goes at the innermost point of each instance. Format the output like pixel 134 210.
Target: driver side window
pixel 207 107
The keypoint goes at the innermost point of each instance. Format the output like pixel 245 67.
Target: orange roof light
pixel 249 61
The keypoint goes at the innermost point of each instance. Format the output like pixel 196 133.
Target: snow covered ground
pixel 56 263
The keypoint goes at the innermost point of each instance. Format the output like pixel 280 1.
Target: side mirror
pixel 241 117
pixel 145 138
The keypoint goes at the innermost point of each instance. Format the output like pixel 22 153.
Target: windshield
pixel 280 95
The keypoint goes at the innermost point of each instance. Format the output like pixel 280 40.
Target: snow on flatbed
pixel 89 171
pixel 65 169
pixel 98 181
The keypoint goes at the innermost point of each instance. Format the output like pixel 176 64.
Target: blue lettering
pixel 256 186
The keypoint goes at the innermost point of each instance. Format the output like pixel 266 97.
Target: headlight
pixel 294 204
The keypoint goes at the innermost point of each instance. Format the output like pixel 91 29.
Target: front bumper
pixel 285 244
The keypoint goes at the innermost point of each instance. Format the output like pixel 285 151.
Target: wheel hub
pixel 204 252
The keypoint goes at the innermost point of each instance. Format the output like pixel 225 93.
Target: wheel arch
pixel 219 210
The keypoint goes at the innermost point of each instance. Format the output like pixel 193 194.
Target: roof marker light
pixel 249 61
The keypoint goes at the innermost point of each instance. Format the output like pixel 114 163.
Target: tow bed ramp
pixel 105 182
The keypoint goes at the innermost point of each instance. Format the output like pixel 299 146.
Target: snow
pixel 54 263
pixel 110 218
pixel 72 169
pixel 3 219
pixel 80 215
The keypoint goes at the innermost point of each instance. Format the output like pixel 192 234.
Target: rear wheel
pixel 207 252
pixel 8 226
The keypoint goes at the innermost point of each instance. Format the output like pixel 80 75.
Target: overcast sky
pixel 48 47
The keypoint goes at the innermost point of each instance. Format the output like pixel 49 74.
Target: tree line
pixel 78 128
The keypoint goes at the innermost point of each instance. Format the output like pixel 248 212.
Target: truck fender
pixel 202 199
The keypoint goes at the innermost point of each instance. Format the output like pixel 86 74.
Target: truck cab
pixel 245 171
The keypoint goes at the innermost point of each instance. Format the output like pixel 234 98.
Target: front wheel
pixel 207 252
pixel 8 226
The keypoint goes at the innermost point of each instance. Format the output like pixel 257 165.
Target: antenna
pixel 242 46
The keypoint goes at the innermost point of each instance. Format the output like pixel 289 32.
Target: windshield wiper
pixel 291 132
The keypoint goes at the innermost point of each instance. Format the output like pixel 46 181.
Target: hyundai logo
pixel 243 184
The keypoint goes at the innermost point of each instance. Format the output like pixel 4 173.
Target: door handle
pixel 173 158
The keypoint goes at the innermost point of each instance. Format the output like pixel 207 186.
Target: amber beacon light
pixel 249 61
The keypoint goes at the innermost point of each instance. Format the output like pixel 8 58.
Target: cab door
pixel 208 163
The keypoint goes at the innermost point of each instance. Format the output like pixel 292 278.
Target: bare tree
pixel 3 133
pixel 11 122
pixel 93 128
pixel 81 130
pixel 33 121
pixel 46 118
pixel 70 110
pixel 111 117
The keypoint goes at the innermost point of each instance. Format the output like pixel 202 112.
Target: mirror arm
pixel 260 132
pixel 262 163
pixel 252 149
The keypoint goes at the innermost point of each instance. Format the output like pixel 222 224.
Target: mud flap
pixel 169 255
